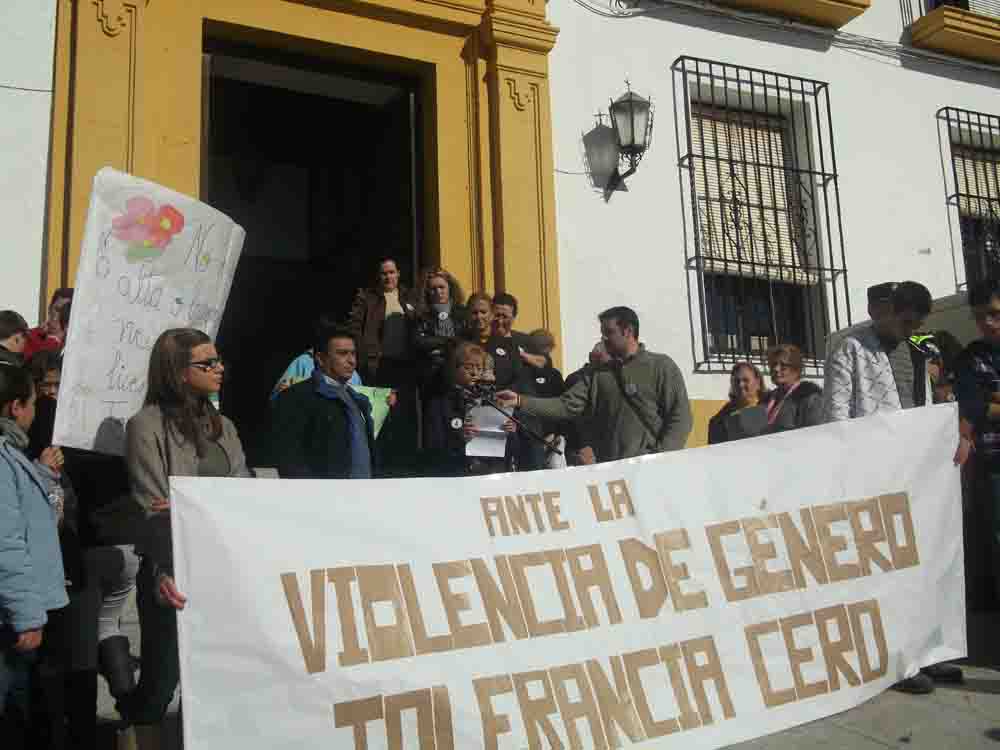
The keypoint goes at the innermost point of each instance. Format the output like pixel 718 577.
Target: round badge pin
pixel 442 315
pixel 409 307
pixel 540 381
pixel 501 352
pixel 456 423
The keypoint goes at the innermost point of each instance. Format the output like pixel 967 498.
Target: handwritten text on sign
pixel 152 259
pixel 712 595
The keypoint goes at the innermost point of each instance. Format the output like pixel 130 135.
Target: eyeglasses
pixel 207 365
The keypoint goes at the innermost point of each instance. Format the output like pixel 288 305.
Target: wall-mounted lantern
pixel 624 143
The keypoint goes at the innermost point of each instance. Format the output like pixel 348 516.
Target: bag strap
pixel 617 371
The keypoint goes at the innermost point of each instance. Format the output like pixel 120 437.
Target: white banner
pixel 152 259
pixel 706 596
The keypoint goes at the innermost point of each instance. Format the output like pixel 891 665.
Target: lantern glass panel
pixel 631 117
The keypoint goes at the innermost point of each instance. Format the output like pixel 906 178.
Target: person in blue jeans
pixel 32 581
pixel 977 389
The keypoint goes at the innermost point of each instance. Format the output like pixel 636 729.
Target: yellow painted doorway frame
pixel 129 83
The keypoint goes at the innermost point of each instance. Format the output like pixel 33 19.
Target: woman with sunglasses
pixel 794 402
pixel 178 432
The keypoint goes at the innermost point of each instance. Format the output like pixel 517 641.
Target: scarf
pixel 775 404
pixel 356 405
pixel 13 432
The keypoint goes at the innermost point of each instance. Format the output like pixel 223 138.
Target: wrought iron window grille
pixel 763 233
pixel 974 139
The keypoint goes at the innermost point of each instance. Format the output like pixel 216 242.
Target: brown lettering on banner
pixel 831 543
pixel 535 500
pixel 770 696
pixel 615 703
pixel 356 714
pixel 871 609
pixel 710 671
pixel 517 514
pixel 465 636
pixel 798 656
pixel 594 577
pixel 394 707
pixel 536 711
pixel 444 732
pixel 804 553
pixel 494 724
pixel 769 582
pixel 501 606
pixel 621 498
pixel 352 654
pixel 715 532
pixel 552 510
pixel 554 559
pixel 904 553
pixel 378 583
pixel 671 657
pixel 601 513
pixel 865 539
pixel 493 510
pixel 650 601
pixel 572 711
pixel 634 662
pixel 835 649
pixel 667 543
pixel 422 642
pixel 313 647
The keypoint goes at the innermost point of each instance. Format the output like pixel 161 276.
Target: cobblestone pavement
pixel 957 717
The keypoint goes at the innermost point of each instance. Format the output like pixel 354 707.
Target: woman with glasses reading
pixel 178 432
pixel 794 402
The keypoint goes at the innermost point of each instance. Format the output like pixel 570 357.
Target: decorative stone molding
pixel 113 24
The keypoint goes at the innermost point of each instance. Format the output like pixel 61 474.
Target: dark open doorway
pixel 319 164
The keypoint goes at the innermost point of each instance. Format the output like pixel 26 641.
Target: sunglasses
pixel 207 365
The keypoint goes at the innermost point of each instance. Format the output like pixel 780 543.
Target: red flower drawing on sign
pixel 147 230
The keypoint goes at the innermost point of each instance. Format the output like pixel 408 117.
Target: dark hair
pixel 10 323
pixel 15 385
pixel 539 340
pixel 65 292
pixel 790 354
pixel 504 298
pixel 43 362
pixel 64 312
pixel 913 297
pixel 478 297
pixel 624 315
pixel 733 393
pixel 185 410
pixel 326 331
pixel 880 293
pixel 983 291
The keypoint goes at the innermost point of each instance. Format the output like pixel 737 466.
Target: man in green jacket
pixel 636 403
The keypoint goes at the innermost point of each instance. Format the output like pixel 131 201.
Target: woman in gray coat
pixel 794 402
pixel 178 432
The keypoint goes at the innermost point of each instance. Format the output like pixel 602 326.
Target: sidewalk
pixel 958 717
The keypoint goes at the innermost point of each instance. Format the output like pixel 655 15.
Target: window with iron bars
pixel 764 247
pixel 975 166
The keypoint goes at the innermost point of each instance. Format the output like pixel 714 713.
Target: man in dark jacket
pixel 322 429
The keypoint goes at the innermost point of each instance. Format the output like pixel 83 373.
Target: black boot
pixel 116 666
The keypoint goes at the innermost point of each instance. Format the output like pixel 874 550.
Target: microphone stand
pixel 486 399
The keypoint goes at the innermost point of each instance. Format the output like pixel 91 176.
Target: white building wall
pixel 890 160
pixel 27 33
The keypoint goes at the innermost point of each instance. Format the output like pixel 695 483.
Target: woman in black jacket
pixel 794 402
pixel 736 420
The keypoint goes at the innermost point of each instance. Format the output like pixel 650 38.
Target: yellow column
pixel 519 39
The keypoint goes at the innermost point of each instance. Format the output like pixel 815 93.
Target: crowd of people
pixel 79 531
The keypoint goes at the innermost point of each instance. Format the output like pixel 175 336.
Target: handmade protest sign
pixel 697 598
pixel 152 259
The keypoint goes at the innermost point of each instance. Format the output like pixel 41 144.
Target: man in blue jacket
pixel 322 428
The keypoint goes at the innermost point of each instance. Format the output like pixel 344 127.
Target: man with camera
pixel 637 402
